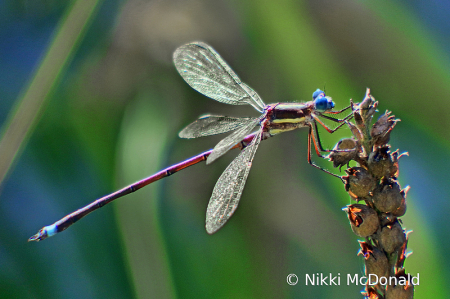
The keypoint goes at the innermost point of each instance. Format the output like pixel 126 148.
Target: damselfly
pixel 205 71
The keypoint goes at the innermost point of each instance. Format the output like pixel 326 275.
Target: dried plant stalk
pixel 374 182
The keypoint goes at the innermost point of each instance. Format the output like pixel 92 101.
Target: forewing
pixel 231 140
pixel 205 71
pixel 213 124
pixel 228 189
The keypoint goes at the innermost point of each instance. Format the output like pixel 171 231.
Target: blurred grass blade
pixel 28 108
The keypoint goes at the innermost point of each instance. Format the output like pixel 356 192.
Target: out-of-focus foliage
pixel 114 114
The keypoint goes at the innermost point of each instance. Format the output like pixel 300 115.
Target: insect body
pixel 205 71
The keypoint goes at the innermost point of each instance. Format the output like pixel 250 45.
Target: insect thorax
pixel 285 117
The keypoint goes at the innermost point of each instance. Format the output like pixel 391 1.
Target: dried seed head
pixel 343 158
pixel 395 156
pixel 355 131
pixel 375 260
pixel 401 290
pixel 392 237
pixel 387 197
pixel 394 169
pixel 368 107
pixel 381 130
pixel 371 111
pixel 367 101
pixel 359 120
pixel 359 182
pixel 363 219
pixel 402 209
pixel 381 164
pixel 371 293
pixel 374 182
pixel 401 253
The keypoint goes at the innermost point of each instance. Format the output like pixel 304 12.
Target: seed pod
pixel 359 121
pixel 402 209
pixel 371 111
pixel 355 131
pixel 359 182
pixel 368 107
pixel 367 101
pixel 342 158
pixel 371 293
pixel 381 130
pixel 401 253
pixel 375 260
pixel 392 237
pixel 400 291
pixel 380 163
pixel 363 219
pixel 387 197
pixel 394 169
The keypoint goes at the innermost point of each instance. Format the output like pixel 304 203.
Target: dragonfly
pixel 208 73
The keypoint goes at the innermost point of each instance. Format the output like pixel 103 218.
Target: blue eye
pixel 323 104
pixel 318 93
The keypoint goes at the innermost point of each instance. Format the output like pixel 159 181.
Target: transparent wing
pixel 205 71
pixel 213 124
pixel 228 190
pixel 231 140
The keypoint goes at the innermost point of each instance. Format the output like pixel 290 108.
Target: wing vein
pixel 228 189
pixel 206 71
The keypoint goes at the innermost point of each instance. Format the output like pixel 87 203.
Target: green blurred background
pixel 104 105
